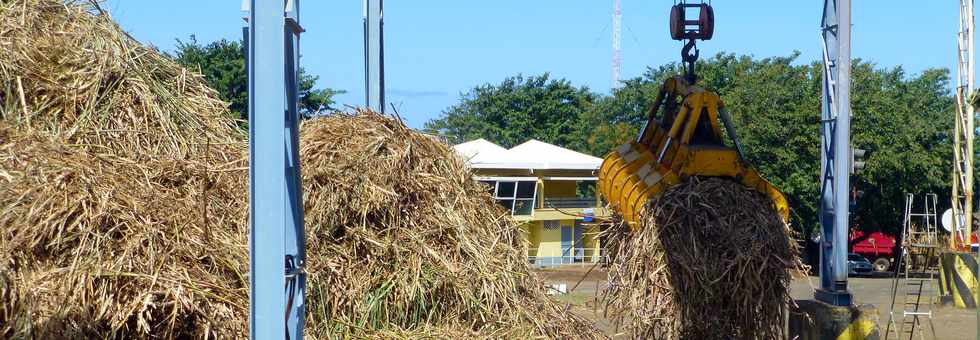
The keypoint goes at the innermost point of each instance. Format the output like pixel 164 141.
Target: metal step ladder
pixel 920 229
pixel 916 273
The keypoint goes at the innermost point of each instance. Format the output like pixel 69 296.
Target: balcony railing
pixel 568 202
pixel 569 256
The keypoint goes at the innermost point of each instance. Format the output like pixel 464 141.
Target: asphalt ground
pixel 949 322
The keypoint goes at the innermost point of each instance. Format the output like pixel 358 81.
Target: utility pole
pixel 963 135
pixel 835 153
pixel 617 31
pixel 374 55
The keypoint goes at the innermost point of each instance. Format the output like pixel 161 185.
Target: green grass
pixel 574 298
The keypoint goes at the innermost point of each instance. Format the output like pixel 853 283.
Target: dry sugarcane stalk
pixel 401 240
pixel 406 239
pixel 130 178
pixel 104 247
pixel 88 83
pixel 711 260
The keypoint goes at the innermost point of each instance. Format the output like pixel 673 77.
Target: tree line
pixel 905 121
pixel 222 63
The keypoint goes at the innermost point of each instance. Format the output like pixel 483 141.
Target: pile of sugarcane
pixel 106 246
pixel 711 259
pixel 68 72
pixel 400 235
pixel 123 207
pixel 401 240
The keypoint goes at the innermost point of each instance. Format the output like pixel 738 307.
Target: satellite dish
pixel 948 221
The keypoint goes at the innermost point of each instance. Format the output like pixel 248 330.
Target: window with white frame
pixel 518 196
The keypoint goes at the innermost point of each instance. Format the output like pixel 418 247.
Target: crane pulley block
pixel 701 28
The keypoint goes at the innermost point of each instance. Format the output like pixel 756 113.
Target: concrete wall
pixel 815 320
pixel 958 279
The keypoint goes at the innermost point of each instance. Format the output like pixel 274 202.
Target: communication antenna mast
pixel 617 60
pixel 963 140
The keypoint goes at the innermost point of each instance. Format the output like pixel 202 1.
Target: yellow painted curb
pixel 858 330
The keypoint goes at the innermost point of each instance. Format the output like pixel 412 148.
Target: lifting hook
pixel 690 59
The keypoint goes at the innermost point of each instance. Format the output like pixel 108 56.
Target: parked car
pixel 878 247
pixel 857 265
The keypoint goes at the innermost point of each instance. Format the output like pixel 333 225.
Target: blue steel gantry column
pixel 835 160
pixel 374 55
pixel 276 240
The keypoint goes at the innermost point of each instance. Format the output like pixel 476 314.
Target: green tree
pixel 517 109
pixel 223 65
pixel 616 119
pixel 904 121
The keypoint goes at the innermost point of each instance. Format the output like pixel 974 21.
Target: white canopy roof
pixel 480 150
pixel 533 154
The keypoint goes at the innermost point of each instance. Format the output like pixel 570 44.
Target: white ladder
pixel 916 272
pixel 920 228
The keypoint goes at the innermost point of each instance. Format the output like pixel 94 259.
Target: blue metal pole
pixel 295 237
pixel 827 141
pixel 842 147
pixel 374 71
pixel 267 156
pixel 275 199
pixel 835 160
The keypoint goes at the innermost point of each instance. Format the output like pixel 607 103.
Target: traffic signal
pixel 857 159
pixel 854 197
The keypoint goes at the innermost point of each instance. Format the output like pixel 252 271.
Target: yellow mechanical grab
pixel 685 141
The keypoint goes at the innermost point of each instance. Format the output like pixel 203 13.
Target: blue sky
pixel 437 49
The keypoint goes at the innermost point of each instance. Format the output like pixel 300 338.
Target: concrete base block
pixel 815 320
pixel 958 279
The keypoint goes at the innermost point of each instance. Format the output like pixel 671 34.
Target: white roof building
pixel 480 150
pixel 533 154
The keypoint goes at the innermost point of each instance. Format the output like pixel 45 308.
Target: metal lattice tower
pixel 617 31
pixel 835 152
pixel 963 140
pixel 916 272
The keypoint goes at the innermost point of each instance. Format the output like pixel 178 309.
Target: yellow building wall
pixel 549 245
pixel 555 214
pixel 559 189
pixel 546 244
pixel 532 234
pixel 590 239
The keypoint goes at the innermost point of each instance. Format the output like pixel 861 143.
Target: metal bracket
pixel 726 119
